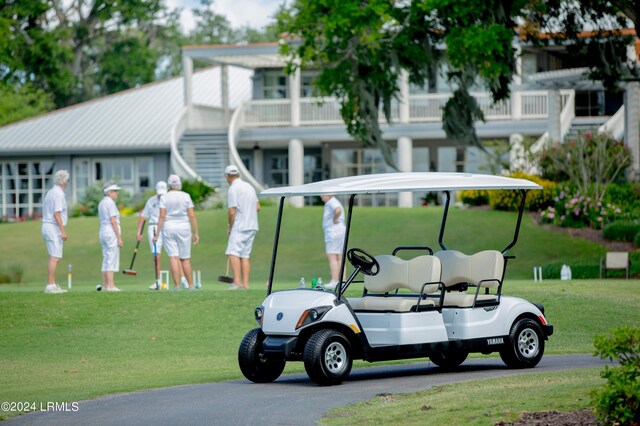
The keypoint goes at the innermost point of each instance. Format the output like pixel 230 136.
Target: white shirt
pixel 329 211
pixel 151 210
pixel 106 210
pixel 176 204
pixel 243 197
pixel 54 201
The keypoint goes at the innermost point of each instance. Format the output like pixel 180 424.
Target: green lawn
pixel 85 344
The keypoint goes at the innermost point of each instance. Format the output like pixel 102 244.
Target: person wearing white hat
pixel 243 225
pixel 110 236
pixel 54 219
pixel 178 226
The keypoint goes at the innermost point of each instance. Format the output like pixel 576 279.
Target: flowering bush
pixel 576 211
pixel 536 199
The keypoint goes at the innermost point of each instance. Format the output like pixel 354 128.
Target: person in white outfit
pixel 54 219
pixel 151 213
pixel 243 225
pixel 178 226
pixel 334 230
pixel 110 236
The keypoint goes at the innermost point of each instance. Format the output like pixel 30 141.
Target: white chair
pixel 615 260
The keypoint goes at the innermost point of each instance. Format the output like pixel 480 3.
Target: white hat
pixel 231 170
pixel 161 187
pixel 110 186
pixel 174 180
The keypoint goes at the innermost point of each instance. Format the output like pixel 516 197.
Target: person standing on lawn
pixel 54 219
pixel 334 230
pixel 243 225
pixel 110 235
pixel 176 215
pixel 151 212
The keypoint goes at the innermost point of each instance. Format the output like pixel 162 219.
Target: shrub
pixel 621 230
pixel 618 400
pixel 536 199
pixel 637 240
pixel 198 190
pixel 626 196
pixel 474 197
pixel 88 205
pixel 12 274
pixel 573 210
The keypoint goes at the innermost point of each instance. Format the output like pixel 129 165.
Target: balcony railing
pixel 422 109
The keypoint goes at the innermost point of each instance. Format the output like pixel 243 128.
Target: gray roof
pixel 139 119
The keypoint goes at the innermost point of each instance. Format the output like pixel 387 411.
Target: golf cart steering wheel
pixel 361 259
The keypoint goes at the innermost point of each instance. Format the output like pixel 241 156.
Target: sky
pixel 254 13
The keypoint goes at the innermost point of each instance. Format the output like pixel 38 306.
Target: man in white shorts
pixel 243 225
pixel 334 230
pixel 178 226
pixel 151 213
pixel 54 219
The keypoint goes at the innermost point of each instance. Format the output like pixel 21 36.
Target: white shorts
pixel 240 243
pixel 150 233
pixel 334 239
pixel 110 252
pixel 177 242
pixel 53 239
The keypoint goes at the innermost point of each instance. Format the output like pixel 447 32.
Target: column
pixel 187 67
pixel 224 91
pixel 405 164
pixel 631 127
pixel 554 110
pixel 294 94
pixel 405 113
pixel 258 161
pixel 296 168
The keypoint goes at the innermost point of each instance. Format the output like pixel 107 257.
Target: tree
pixel 17 103
pixel 362 47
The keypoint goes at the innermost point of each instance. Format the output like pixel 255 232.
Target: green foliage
pixel 474 197
pixel 536 199
pixel 572 210
pixel 198 190
pixel 621 230
pixel 636 240
pixel 11 274
pixel 88 205
pixel 618 401
pixel 626 195
pixel 20 102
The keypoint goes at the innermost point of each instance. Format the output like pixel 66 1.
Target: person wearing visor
pixel 110 235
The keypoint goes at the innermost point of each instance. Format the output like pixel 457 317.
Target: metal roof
pixel 401 182
pixel 139 119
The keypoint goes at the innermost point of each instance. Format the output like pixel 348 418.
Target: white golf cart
pixel 440 305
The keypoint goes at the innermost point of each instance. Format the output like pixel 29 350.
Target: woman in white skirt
pixel 334 230
pixel 178 226
pixel 110 236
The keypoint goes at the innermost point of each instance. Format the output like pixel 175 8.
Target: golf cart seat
pixel 481 270
pixel 420 275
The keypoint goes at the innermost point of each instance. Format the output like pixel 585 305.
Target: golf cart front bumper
pixel 279 346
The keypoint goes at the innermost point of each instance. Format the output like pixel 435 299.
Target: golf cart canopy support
pixel 384 183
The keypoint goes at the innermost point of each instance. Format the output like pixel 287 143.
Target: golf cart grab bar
pixel 345 245
pixel 444 219
pixel 397 249
pixel 523 194
pixel 275 245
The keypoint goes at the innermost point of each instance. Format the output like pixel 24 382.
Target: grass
pixel 484 402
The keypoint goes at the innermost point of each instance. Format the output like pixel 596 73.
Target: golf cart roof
pixel 401 182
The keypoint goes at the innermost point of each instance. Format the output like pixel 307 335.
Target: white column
pixel 554 109
pixel 405 164
pixel 296 168
pixel 631 127
pixel 224 91
pixel 187 68
pixel 404 97
pixel 258 161
pixel 294 94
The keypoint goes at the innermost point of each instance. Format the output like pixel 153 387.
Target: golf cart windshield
pixel 394 183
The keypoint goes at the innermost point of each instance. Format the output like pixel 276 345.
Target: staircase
pixel 584 124
pixel 207 153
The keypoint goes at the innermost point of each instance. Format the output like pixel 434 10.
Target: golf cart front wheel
pixel 253 365
pixel 526 344
pixel 327 357
pixel 449 360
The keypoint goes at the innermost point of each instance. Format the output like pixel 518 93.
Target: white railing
pixel 179 166
pixel 237 121
pixel 614 125
pixel 422 109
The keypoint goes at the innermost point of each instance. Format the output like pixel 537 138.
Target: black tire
pixel 449 360
pixel 327 357
pixel 255 367
pixel 526 344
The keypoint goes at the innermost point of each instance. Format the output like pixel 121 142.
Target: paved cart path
pixel 292 400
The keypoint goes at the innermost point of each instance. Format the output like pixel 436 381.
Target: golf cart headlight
pixel 259 313
pixel 312 315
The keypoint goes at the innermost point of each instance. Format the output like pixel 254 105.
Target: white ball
pixel 99 287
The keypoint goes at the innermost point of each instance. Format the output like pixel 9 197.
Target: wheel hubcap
pixel 335 358
pixel 528 344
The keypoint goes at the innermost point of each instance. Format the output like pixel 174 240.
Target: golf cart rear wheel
pixel 526 345
pixel 450 359
pixel 253 365
pixel 327 357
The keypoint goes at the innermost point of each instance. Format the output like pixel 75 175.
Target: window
pixel 275 85
pixel 145 173
pixel 23 185
pixel 307 83
pixel 280 170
